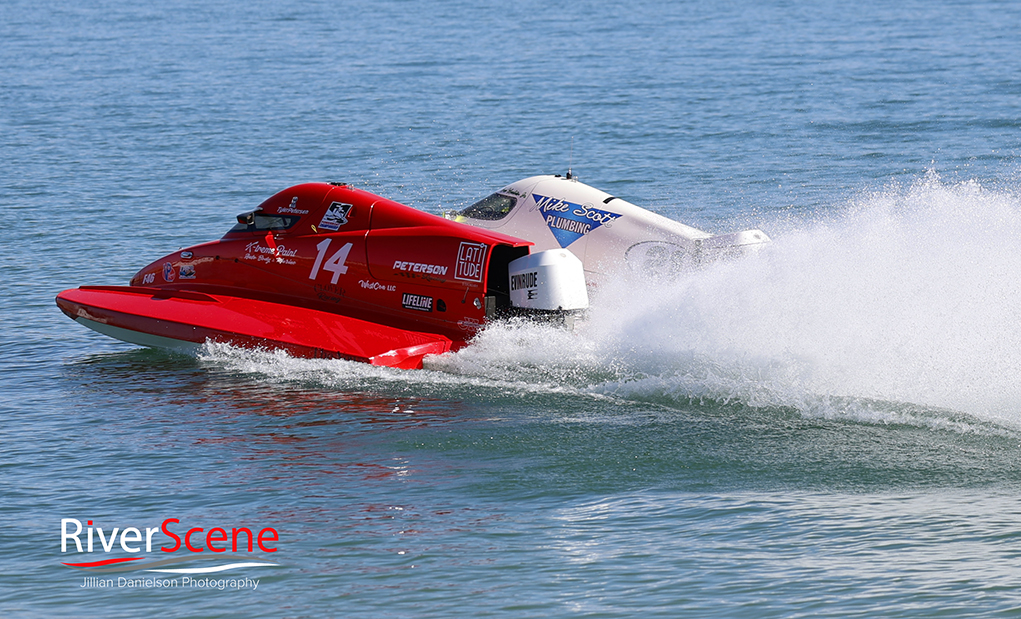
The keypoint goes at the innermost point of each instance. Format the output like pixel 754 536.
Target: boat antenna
pixel 570 160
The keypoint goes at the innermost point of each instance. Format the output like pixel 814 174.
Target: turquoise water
pixel 829 428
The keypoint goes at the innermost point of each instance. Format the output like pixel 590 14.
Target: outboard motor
pixel 550 283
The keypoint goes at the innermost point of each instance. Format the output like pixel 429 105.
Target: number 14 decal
pixel 336 262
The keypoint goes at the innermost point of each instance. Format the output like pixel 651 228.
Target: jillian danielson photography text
pixel 184 582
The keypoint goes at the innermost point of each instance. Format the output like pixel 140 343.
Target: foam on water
pixel 471 371
pixel 903 308
pixel 910 295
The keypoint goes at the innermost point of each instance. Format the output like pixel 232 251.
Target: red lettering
pixel 166 531
pixel 234 538
pixel 187 540
pixel 218 535
pixel 275 538
pixel 210 538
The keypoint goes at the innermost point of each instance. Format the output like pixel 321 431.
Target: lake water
pixel 829 428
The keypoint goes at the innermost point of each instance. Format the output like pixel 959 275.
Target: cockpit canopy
pixel 257 221
pixel 490 208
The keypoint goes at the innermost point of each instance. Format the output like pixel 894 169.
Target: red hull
pixel 196 317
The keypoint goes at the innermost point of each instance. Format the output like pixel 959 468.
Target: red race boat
pixel 327 270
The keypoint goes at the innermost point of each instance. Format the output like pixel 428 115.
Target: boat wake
pixel 903 307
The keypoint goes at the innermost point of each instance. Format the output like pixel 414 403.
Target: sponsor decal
pixel 417 302
pixel 187 271
pixel 656 258
pixel 470 261
pixel 335 216
pixel 330 293
pixel 419 267
pixel 186 255
pixel 168 272
pixel 280 253
pixel 369 285
pixel 520 281
pixel 569 221
pixel 84 313
pixel 469 324
pixel 167 549
pixel 293 208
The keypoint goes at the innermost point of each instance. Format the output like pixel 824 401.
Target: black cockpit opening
pixel 257 221
pixel 491 208
pixel 498 281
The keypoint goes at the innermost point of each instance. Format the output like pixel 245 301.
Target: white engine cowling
pixel 552 280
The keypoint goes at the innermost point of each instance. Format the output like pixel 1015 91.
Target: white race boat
pixel 610 235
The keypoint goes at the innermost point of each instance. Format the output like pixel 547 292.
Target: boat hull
pixel 185 320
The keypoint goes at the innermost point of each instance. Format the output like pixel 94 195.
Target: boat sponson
pixel 195 317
